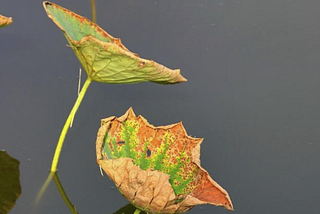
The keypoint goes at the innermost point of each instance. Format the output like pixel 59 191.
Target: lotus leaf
pixel 104 57
pixel 10 188
pixel 156 168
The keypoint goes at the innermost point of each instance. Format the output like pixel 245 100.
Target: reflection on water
pixel 10 188
pixel 63 194
pixel 127 209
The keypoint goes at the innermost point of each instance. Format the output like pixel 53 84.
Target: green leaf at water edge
pixel 104 57
pixel 10 188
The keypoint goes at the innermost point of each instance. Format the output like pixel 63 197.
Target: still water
pixel 253 95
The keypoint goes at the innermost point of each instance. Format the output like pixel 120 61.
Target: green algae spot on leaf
pixel 156 168
pixel 5 21
pixel 104 57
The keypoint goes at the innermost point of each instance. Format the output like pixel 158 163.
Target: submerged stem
pixel 93 11
pixel 67 125
pixel 63 194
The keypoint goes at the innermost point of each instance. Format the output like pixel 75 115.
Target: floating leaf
pixel 10 188
pixel 4 21
pixel 156 168
pixel 104 57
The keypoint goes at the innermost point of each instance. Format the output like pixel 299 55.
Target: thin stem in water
pixel 63 194
pixel 61 190
pixel 93 11
pixel 67 125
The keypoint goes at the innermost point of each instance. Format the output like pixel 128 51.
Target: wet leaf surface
pixel 10 188
pixel 104 57
pixel 156 168
pixel 4 21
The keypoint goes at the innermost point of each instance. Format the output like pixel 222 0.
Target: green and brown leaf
pixel 104 57
pixel 156 168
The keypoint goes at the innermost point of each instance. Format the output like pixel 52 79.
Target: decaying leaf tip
pixel 5 21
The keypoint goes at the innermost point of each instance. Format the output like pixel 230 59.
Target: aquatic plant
pixel 156 168
pixel 10 188
pixel 104 58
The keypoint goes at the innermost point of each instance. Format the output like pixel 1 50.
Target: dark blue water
pixel 253 94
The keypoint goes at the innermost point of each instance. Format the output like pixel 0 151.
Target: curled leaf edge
pixel 115 42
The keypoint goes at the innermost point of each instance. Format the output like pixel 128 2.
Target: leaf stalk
pixel 67 125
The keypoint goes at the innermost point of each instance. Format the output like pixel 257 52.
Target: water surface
pixel 253 94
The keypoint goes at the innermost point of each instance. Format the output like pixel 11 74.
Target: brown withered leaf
pixel 4 21
pixel 156 168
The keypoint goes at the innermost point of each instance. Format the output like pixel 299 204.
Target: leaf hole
pixel 142 63
pixel 148 153
pixel 121 142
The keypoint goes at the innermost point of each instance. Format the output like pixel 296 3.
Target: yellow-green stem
pixel 93 11
pixel 67 125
